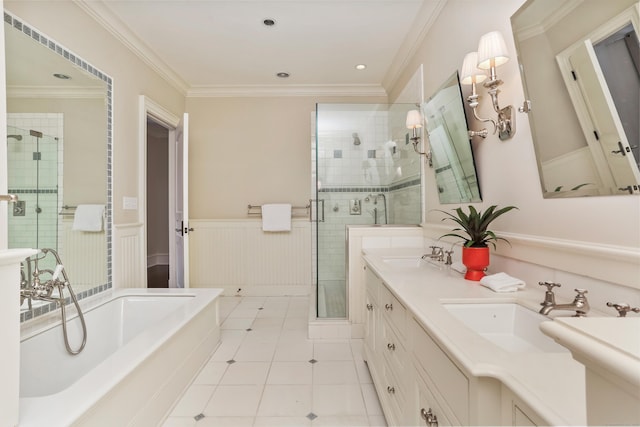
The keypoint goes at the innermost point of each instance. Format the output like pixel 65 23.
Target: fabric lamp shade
pixel 414 119
pixel 470 72
pixel 492 50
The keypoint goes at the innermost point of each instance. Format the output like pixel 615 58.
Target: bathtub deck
pixel 267 373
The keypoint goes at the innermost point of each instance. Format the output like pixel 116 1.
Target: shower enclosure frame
pixel 368 164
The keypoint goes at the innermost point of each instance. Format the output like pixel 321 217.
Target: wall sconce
pixel 470 75
pixel 414 121
pixel 492 52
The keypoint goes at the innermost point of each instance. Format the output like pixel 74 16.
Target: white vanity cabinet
pixel 418 381
pixel 517 413
pixel 384 348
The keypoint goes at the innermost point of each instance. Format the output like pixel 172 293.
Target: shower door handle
pixel 318 202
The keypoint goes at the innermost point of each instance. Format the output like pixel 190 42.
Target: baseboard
pixel 260 291
pixel 157 259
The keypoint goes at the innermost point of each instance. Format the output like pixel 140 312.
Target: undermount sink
pixel 411 262
pixel 510 326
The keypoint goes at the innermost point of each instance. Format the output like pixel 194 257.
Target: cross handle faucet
pixel 623 308
pixel 549 296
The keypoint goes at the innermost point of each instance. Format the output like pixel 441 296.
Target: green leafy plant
pixel 475 224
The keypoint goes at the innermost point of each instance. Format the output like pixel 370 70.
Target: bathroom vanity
pixel 437 362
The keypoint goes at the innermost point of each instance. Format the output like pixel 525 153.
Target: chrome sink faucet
pixel 437 253
pixel 579 304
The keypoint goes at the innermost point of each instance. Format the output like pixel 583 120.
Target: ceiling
pixel 223 47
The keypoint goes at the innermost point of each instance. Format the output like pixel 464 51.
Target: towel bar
pixel 257 210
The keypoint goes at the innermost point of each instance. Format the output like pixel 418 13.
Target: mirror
pixel 452 156
pixel 59 155
pixel 580 67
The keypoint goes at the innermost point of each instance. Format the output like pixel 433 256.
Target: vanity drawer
pixel 394 394
pixel 393 349
pixel 393 310
pixel 447 379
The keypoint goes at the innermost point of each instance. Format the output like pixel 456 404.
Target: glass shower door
pixel 33 177
pixel 366 174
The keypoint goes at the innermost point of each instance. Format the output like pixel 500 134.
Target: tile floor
pixel 267 373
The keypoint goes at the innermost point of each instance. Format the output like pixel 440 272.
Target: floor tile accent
pixel 267 373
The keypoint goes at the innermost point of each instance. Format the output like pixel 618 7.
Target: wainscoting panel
pixel 129 262
pixel 84 256
pixel 238 255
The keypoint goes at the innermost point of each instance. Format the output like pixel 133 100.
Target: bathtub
pixel 143 348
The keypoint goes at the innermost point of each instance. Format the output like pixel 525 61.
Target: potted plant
pixel 477 237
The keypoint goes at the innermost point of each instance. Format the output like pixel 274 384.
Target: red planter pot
pixel 476 260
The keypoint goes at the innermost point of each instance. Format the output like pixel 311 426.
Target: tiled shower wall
pixel 41 190
pixel 381 164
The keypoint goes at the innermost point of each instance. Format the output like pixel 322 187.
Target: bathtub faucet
pixel 37 289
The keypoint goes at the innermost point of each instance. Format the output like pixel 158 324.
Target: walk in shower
pixel 33 175
pixel 366 173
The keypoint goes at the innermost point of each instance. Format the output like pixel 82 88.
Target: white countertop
pixel 605 344
pixel 552 384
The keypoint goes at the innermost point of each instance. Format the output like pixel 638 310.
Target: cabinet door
pixel 516 413
pixel 370 323
pixel 426 411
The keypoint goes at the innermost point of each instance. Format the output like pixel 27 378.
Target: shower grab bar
pixel 11 198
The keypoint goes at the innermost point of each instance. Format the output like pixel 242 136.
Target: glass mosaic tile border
pixel 60 50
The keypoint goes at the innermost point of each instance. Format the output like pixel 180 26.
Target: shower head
pixel 16 137
pixel 356 138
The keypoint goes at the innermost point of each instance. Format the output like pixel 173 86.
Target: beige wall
pixel 67 24
pixel 507 170
pixel 250 151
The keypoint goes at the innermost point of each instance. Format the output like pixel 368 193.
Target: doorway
pixel 157 201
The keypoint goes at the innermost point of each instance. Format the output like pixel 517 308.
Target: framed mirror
pixel 580 65
pixel 452 156
pixel 59 111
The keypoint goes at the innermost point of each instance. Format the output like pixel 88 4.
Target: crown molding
pixel 258 91
pixel 549 21
pixel 421 25
pixel 103 15
pixel 77 92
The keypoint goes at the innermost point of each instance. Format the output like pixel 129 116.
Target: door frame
pixel 150 109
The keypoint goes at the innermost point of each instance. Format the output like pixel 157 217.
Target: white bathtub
pixel 143 348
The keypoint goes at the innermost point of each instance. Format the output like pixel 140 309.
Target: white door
pixel 606 130
pixel 182 228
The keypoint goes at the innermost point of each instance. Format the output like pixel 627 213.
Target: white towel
pixel 276 217
pixel 502 282
pixel 88 218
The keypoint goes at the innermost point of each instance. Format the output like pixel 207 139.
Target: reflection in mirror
pixel 59 157
pixel 453 161
pixel 580 69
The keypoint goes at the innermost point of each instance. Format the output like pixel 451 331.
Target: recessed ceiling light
pixel 61 76
pixel 283 75
pixel 361 67
pixel 269 22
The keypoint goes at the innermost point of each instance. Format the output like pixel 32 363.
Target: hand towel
pixel 502 282
pixel 276 217
pixel 88 218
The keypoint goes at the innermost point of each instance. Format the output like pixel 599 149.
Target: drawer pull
pixel 370 307
pixel 388 307
pixel 391 390
pixel 391 346
pixel 430 419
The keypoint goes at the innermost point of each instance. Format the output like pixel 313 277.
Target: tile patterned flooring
pixel 266 372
